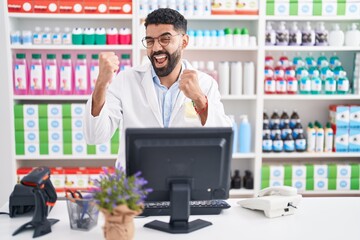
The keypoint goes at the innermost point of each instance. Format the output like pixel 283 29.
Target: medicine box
pixel 320 171
pixel 340 116
pixel 247 7
pixel 354 118
pixel 79 148
pixel 341 140
pixel 103 149
pixel 298 172
pixel 320 184
pixel 223 7
pixel 55 136
pixel 32 149
pixel 76 124
pixel 78 136
pixel 354 140
pixel 54 111
pixel 55 148
pixel 55 124
pixel 77 110
pixel 58 178
pixel 352 8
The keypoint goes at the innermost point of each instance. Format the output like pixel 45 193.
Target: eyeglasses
pixel 163 40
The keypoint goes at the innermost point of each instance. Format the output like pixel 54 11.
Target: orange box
pixel 95 6
pixel 58 178
pixel 120 7
pixel 46 6
pixel 22 172
pixel 20 6
pixel 71 6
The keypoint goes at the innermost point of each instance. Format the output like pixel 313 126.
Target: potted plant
pixel 120 198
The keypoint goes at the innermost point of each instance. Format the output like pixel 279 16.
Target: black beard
pixel 173 60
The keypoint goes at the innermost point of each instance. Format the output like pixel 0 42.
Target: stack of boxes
pixel 313 8
pixel 309 177
pixel 55 130
pixel 345 122
pixel 356 81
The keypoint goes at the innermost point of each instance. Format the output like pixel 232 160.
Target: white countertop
pixel 317 218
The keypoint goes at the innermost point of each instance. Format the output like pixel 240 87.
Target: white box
pixel 305 8
pixel 77 110
pixel 55 124
pixel 55 136
pixel 79 148
pixel 341 141
pixel 31 136
pixel 31 111
pixel 32 149
pixel 299 184
pixel 103 149
pixel 282 8
pixel 276 172
pixel 31 124
pixel 77 124
pixel 78 136
pixel 329 8
pixel 320 171
pixel 343 171
pixel 343 184
pixel 354 140
pixel 276 182
pixel 352 8
pixel 298 171
pixel 54 111
pixel 56 148
pixel 320 184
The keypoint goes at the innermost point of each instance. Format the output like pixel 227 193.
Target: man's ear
pixel 185 41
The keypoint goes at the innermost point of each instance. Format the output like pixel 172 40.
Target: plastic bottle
pixel 294 35
pixel 269 85
pixel 352 36
pixel 290 71
pixel 305 83
pixel 125 62
pixel 281 87
pixel 248 180
pixel 284 61
pixel 275 118
pixel 21 81
pixel 100 36
pixel 267 143
pixel 244 37
pixel 329 138
pixel 336 36
pixel 278 144
pixel 308 35
pixel 112 37
pixel 210 69
pixel 214 38
pixel 125 36
pixel 224 78
pixel 46 36
pixel 15 38
pixel 244 135
pixel 66 76
pixel 236 78
pixel 270 35
pixel 249 78
pixel 77 36
pixel 56 36
pixel 51 75
pixel 291 85
pixel 275 129
pixel 207 38
pixel 321 35
pixel 236 180
pixel 66 36
pixel 297 130
pixel 266 129
pixel 330 83
pixel 282 35
pixel 266 118
pixel 228 37
pixel 80 75
pixel 279 70
pixel 316 84
pixel 237 37
pixel 289 144
pixel 300 143
pixel 26 38
pixel 285 130
pixel 235 145
pixel 89 36
pixel 37 36
pixel 284 118
pixel 294 119
pixel 343 84
pixel 36 75
pixel 334 61
pixel 319 145
pixel 221 38
pixel 311 137
pixel 94 71
pixel 269 61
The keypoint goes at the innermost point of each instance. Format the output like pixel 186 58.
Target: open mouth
pixel 160 60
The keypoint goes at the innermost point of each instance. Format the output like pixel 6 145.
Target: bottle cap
pixel 244 31
pixel 51 56
pixel 81 56
pixel 20 55
pixel 125 56
pixel 36 56
pixel 227 31
pixel 95 56
pixel 210 65
pixel 328 125
pixel 66 56
pixel 237 31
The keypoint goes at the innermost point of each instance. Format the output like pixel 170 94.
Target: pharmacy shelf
pixel 242 192
pixel 240 97
pixel 221 18
pixel 311 97
pixel 330 193
pixel 312 18
pixel 67 157
pixel 312 156
pixel 253 48
pixel 51 97
pixel 311 48
pixel 71 16
pixel 71 47
pixel 243 155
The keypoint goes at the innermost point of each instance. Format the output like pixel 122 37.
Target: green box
pixel 20 148
pixel 309 171
pixel 43 110
pixel 66 110
pixel 44 148
pixel 332 171
pixel 265 173
pixel 331 184
pixel 43 124
pixel 19 111
pixel 317 7
pixel 354 184
pixel 91 149
pixel 265 184
pixel 66 123
pixel 355 170
pixel 67 136
pixel 114 148
pixel 67 148
pixel 19 137
pixel 288 182
pixel 287 171
pixel 309 184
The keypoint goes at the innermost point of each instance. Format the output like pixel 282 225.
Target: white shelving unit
pixel 252 106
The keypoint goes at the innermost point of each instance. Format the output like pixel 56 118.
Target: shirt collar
pixel 156 79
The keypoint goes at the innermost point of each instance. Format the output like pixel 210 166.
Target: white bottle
pixel 321 35
pixel 308 35
pixel 319 145
pixel 56 36
pixel 46 36
pixel 224 78
pixel 249 78
pixel 210 69
pixel 336 36
pixel 329 138
pixel 37 36
pixel 294 35
pixel 66 36
pixel 235 78
pixel 311 138
pixel 352 36
pixel 270 35
pixel 282 35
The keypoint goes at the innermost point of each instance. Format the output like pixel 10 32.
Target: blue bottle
pixel 244 135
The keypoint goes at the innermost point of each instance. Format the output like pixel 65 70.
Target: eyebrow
pixel 164 34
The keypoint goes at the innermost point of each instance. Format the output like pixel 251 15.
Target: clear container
pixel 36 75
pixel 83 214
pixel 51 75
pixel 21 77
pixel 66 77
pixel 81 75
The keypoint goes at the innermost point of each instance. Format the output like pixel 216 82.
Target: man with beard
pixel 169 92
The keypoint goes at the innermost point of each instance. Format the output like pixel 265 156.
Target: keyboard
pixel 208 207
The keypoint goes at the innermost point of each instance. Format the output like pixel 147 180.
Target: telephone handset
pixel 279 190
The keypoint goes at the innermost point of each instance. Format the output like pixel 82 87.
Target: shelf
pixel 220 18
pixel 241 97
pixel 243 155
pixel 71 16
pixel 330 193
pixel 236 193
pixel 311 97
pixel 51 97
pixel 312 18
pixel 255 48
pixel 69 157
pixel 310 48
pixel 284 155
pixel 72 47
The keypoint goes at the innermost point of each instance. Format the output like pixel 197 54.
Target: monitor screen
pixel 181 164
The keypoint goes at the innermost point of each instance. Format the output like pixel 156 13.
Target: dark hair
pixel 167 16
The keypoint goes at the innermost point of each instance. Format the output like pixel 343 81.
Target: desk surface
pixel 316 218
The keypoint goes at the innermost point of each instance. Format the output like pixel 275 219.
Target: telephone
pixel 274 201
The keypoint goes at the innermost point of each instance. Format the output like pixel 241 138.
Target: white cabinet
pixel 310 107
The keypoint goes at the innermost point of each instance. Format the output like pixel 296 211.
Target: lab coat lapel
pixel 148 85
pixel 178 103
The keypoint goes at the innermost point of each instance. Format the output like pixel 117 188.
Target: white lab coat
pixel 131 102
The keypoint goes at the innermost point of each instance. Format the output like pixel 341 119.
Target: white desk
pixel 316 218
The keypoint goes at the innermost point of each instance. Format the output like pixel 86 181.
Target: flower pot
pixel 120 223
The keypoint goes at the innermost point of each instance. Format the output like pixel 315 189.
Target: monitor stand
pixel 180 212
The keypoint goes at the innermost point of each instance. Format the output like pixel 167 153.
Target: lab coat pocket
pixel 189 111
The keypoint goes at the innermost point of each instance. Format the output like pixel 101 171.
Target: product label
pixel 330 86
pixel 285 132
pixel 65 78
pixel 300 144
pixel 81 78
pixel 278 145
pixel 66 38
pixel 316 85
pixel 289 145
pixel 20 77
pixel 36 77
pixel 292 86
pixel 281 86
pixel 267 145
pixel 37 38
pixel 305 85
pixel 343 85
pixel 270 86
pixel 50 77
pixel 94 72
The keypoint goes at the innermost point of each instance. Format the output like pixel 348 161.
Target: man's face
pixel 166 50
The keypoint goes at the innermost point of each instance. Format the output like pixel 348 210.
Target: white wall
pixel 7 164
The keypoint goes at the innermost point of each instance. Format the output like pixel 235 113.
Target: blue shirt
pixel 166 97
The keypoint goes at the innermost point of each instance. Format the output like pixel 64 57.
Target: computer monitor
pixel 181 164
